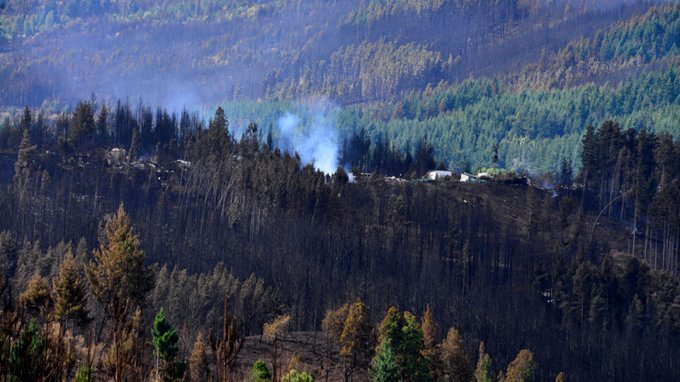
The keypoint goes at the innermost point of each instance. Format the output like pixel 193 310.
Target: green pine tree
pixel 27 359
pixel 404 335
pixel 84 374
pixel 297 376
pixel 412 364
pixel 259 372
pixel 165 339
pixel 384 365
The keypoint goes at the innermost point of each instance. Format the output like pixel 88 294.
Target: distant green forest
pixel 534 129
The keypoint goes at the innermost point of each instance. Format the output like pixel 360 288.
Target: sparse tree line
pixel 401 348
pixel 320 240
pixel 634 176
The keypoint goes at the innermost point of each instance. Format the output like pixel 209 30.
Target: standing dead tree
pixel 273 331
pixel 226 350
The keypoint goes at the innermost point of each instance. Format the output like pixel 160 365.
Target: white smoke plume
pixel 311 132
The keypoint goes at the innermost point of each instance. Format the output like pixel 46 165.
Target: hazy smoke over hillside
pixel 61 51
pixel 312 134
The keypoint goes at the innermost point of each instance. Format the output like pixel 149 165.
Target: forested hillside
pixel 650 40
pixel 404 67
pixel 566 270
pixel 225 190
pixel 176 53
pixel 534 129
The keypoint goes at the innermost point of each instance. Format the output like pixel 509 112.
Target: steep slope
pixel 649 41
pixel 178 53
pixel 477 253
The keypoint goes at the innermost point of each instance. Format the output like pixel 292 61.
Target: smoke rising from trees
pixel 311 132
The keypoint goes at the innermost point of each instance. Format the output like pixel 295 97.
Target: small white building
pixel 469 178
pixel 438 175
pixel 465 177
